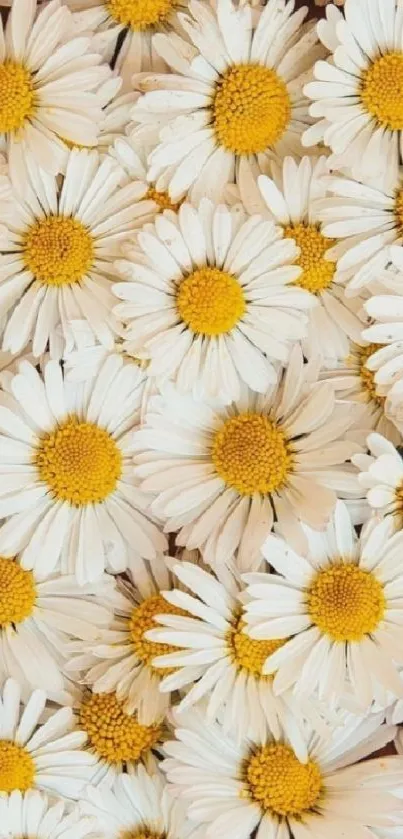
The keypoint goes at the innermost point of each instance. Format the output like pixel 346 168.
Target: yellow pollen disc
pixel 17 769
pixel 279 783
pixel 382 90
pixel 17 97
pixel 247 653
pixel 17 592
pixel 368 376
pixel 140 14
pixel 162 200
pixel 399 211
pixel 251 109
pixel 317 272
pixel 251 454
pixel 79 461
pixel 142 620
pixel 346 602
pixel 58 250
pixel 210 301
pixel 113 734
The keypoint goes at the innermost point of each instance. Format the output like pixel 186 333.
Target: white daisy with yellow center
pixel 354 380
pixel 340 603
pixel 35 815
pixel 122 658
pixel 292 196
pixel 209 654
pixel 114 739
pixel 48 756
pixel 68 492
pixel 235 93
pixel 366 220
pixel 59 239
pixel 358 90
pixel 127 27
pixel 235 785
pixel 208 298
pixel 139 806
pixel 48 85
pixel 39 618
pixel 385 331
pixel 221 474
pixel 381 477
pixel 132 155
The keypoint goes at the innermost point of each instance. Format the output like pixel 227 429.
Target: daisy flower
pixel 84 362
pixel 121 658
pixel 358 90
pixel 127 27
pixel 292 196
pixel 236 787
pixel 38 619
pixel 234 93
pixel 67 487
pixel 386 333
pixel 132 155
pixel 337 608
pixel 368 222
pixel 353 379
pixel 34 756
pixel 115 740
pixel 221 474
pixel 217 660
pixel 34 814
pixel 116 108
pixel 381 476
pixel 140 805
pixel 59 239
pixel 207 299
pixel 48 83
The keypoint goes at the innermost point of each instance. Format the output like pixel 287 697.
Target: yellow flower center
pixel 368 376
pixel 280 783
pixel 17 97
pixel 251 109
pixel 399 211
pixel 17 592
pixel 140 14
pixel 142 620
pixel 345 602
pixel 382 90
pixel 247 653
pixel 113 734
pixel 251 454
pixel 210 301
pixel 58 250
pixel 79 461
pixel 317 272
pixel 162 200
pixel 17 769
